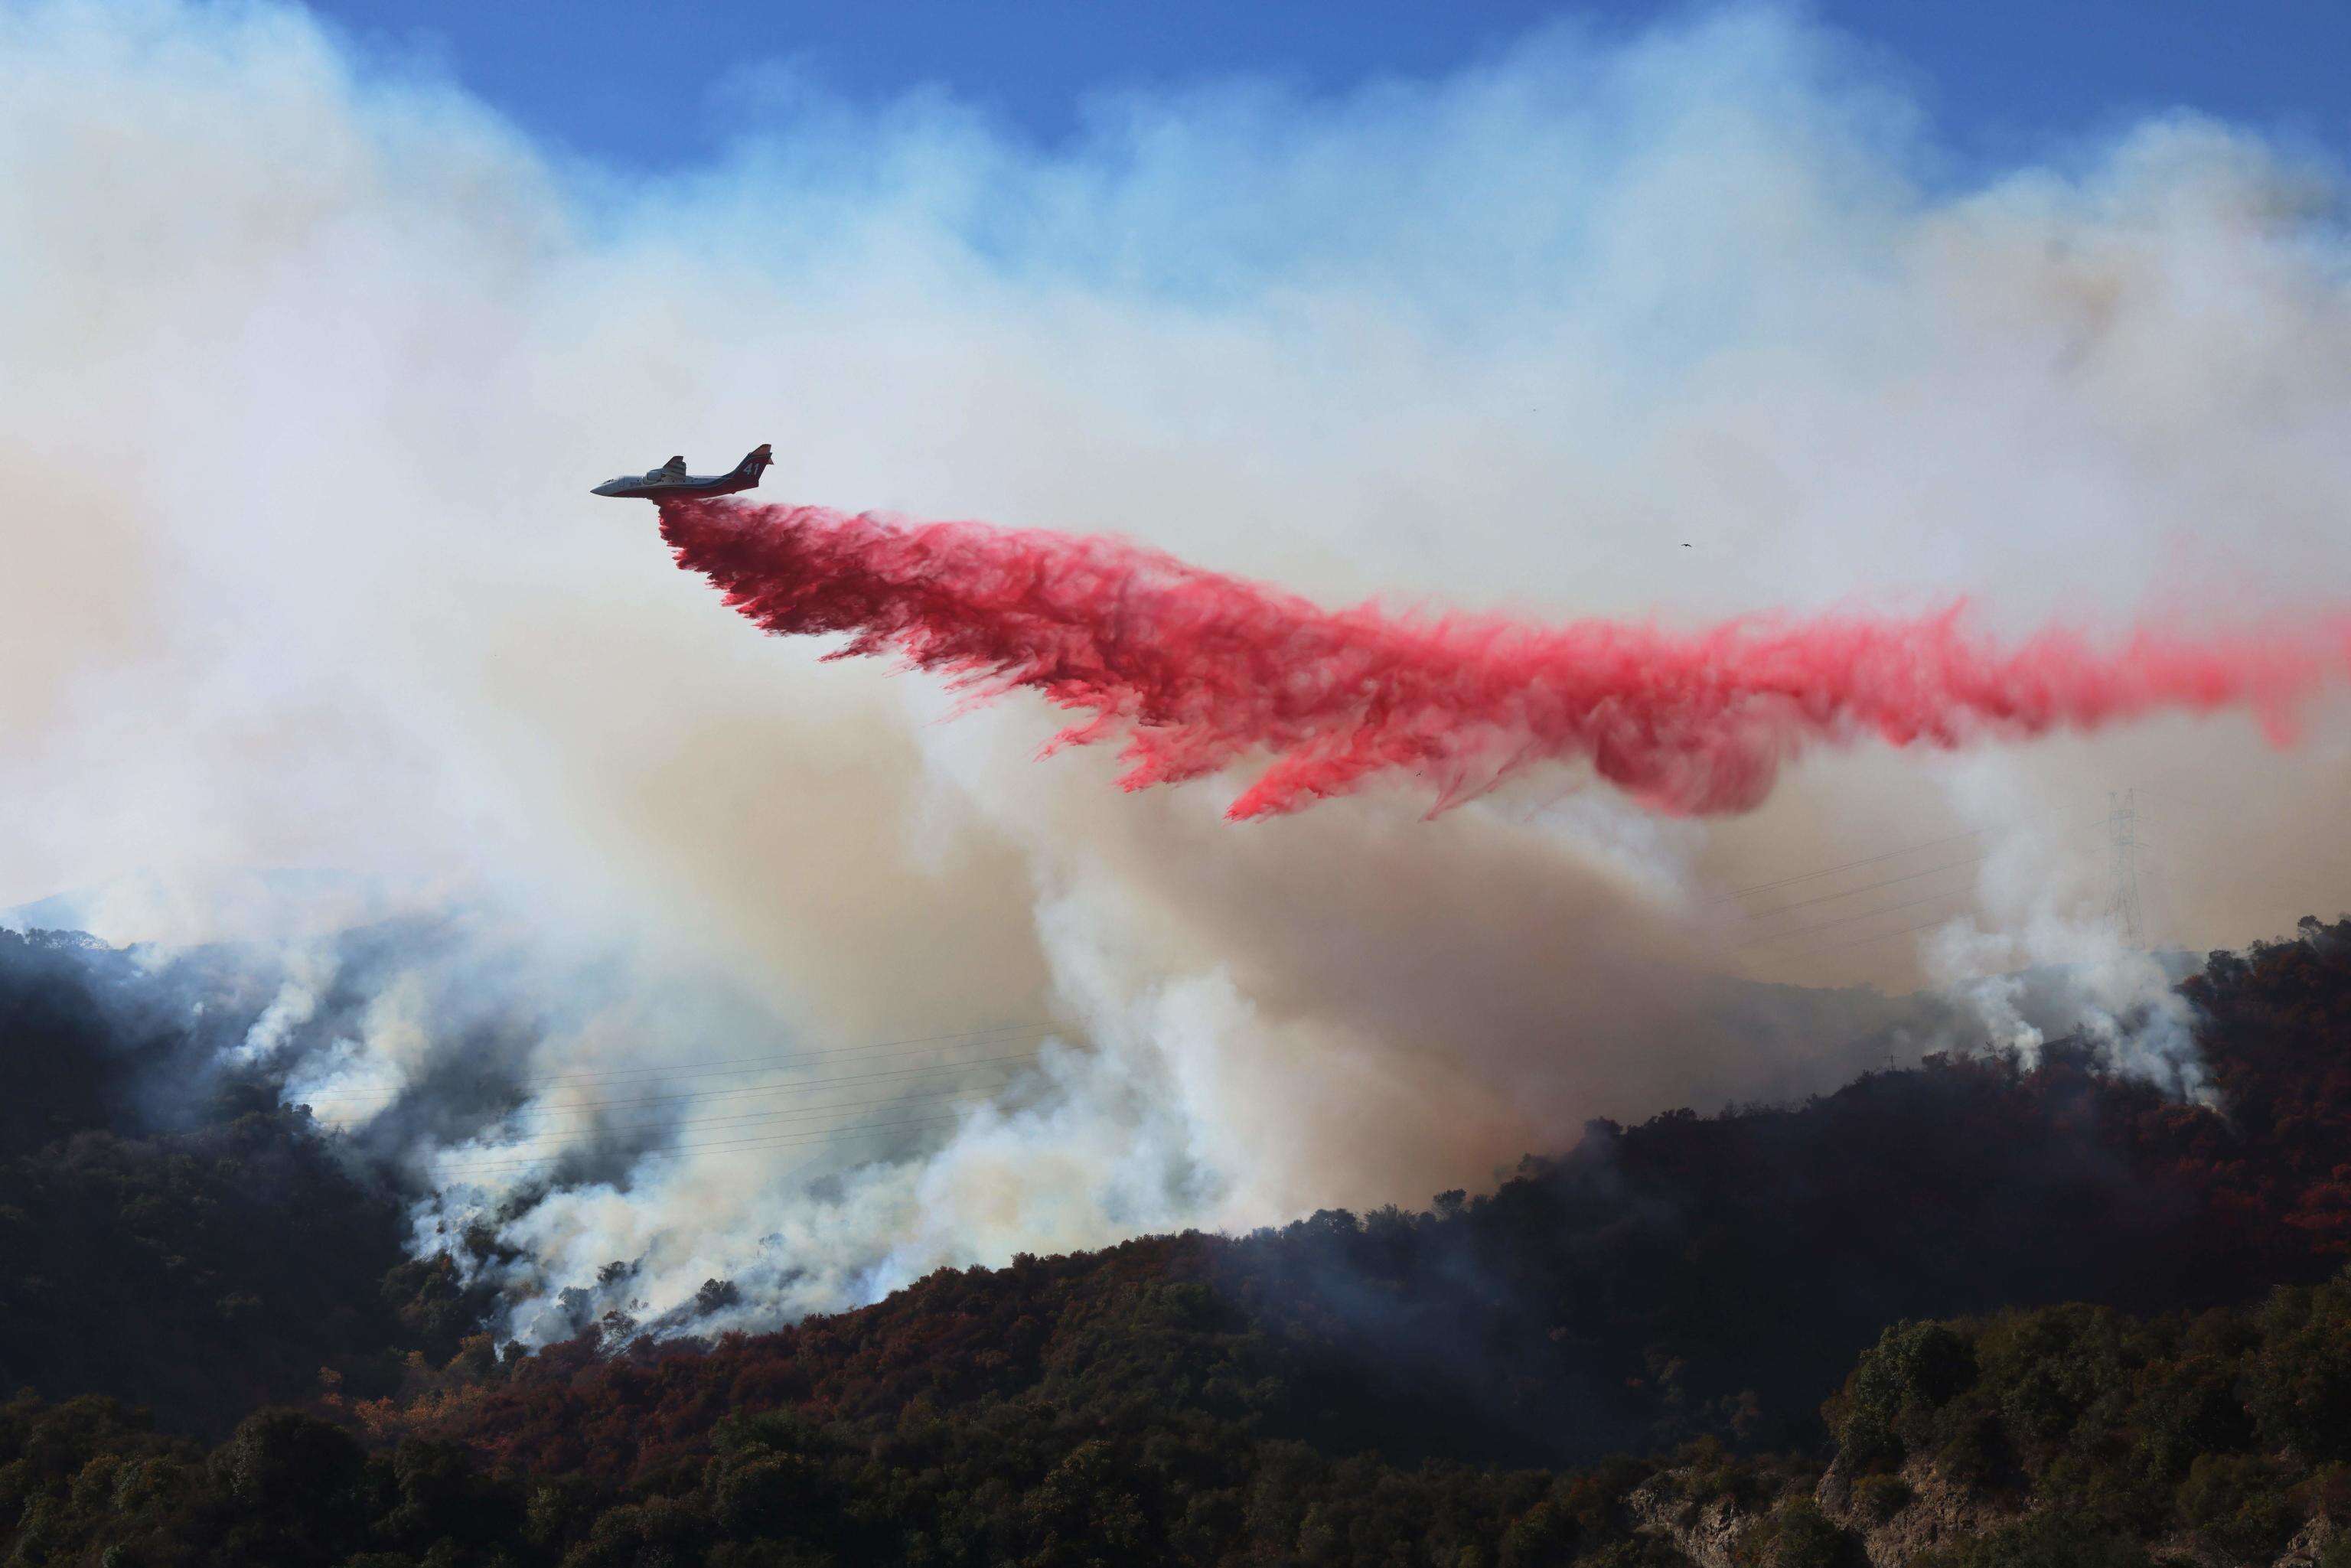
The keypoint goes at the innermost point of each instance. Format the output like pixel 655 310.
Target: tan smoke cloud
pixel 309 365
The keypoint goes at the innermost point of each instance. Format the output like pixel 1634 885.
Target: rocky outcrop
pixel 1934 1512
pixel 1931 1511
pixel 1707 1533
pixel 2308 1545
pixel 2304 1551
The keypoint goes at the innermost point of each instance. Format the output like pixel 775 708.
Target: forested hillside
pixel 171 1235
pixel 1973 1314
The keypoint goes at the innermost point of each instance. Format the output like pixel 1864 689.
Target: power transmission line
pixel 828 1135
pixel 1770 937
pixel 791 1088
pixel 784 1088
pixel 543 1144
pixel 1002 1035
pixel 723 1066
pixel 1895 853
pixel 1848 865
pixel 1881 937
pixel 2125 841
pixel 1867 887
pixel 1847 920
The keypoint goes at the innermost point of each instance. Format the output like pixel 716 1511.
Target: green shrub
pixel 1801 1537
pixel 2300 1386
pixel 2237 1502
pixel 2052 1367
pixel 1913 1370
pixel 1975 1450
pixel 1880 1498
pixel 2046 1540
pixel 1544 1534
pixel 2196 1411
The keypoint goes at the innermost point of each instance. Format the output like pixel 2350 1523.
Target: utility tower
pixel 2122 882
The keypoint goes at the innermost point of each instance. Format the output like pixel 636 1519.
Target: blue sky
pixel 655 86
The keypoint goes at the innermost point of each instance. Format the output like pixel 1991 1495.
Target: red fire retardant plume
pixel 1198 671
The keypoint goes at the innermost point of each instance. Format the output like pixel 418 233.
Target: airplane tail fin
pixel 755 462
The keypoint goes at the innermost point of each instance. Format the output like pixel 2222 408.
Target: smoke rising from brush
pixel 1196 670
pixel 310 358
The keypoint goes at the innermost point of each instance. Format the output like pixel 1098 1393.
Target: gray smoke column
pixel 310 359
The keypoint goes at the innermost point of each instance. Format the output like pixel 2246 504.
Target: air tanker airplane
pixel 671 479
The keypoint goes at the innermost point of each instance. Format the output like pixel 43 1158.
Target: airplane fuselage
pixel 634 486
pixel 672 482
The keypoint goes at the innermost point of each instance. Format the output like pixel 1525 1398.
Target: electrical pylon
pixel 2122 884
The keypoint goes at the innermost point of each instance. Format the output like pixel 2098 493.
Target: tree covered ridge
pixel 2065 1436
pixel 171 1235
pixel 1437 1387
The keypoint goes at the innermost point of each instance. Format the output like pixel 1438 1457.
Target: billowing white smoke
pixel 308 365
pixel 2046 958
